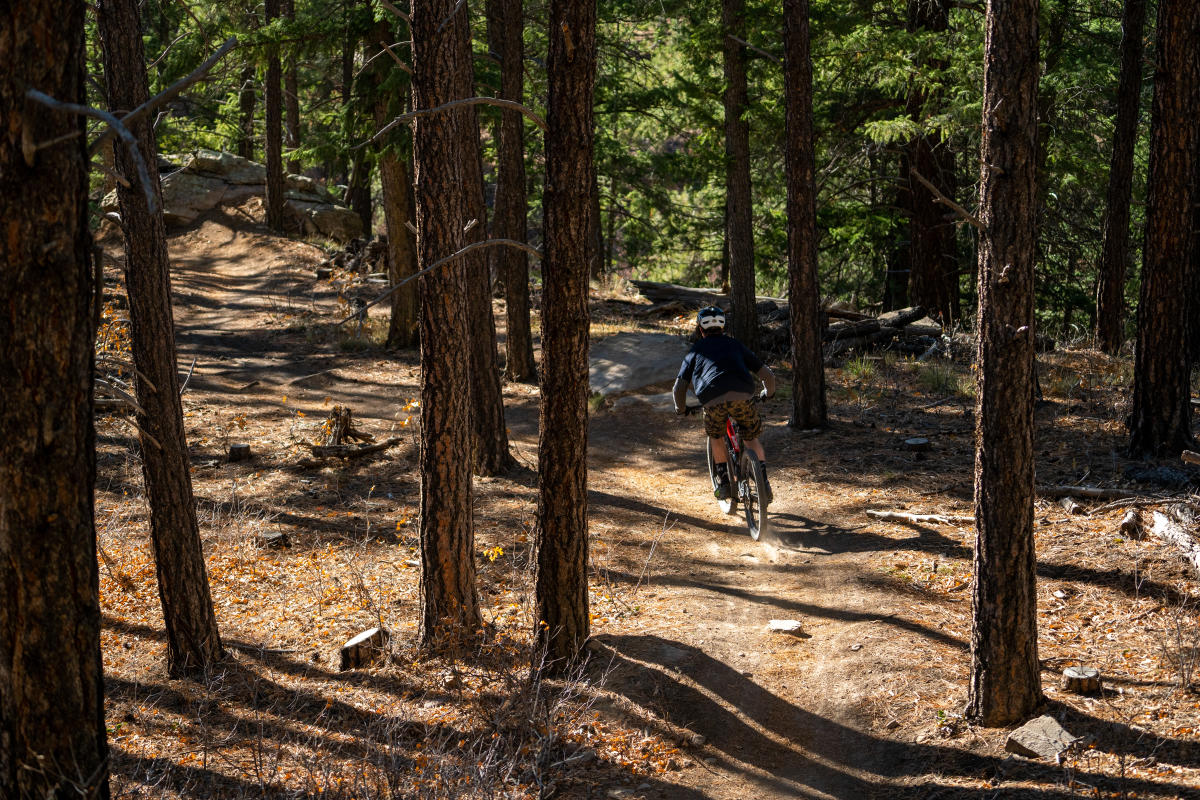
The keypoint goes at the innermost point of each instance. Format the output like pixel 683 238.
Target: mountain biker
pixel 722 372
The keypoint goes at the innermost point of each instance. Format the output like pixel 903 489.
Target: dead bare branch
pixel 116 126
pixel 396 11
pixel 759 50
pixel 963 214
pixel 168 94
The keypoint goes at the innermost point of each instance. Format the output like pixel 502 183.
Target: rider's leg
pixel 720 456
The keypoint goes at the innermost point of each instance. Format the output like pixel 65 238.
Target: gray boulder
pixel 197 182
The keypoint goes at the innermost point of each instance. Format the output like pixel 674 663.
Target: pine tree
pixel 1005 676
pixel 52 735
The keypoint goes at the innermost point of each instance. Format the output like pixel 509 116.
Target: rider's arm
pixel 679 392
pixel 768 379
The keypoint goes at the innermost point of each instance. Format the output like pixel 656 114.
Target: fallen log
pixel 666 293
pixel 1173 528
pixel 937 519
pixel 1088 492
pixel 892 319
pixel 850 330
pixel 881 336
pixel 352 451
pixel 901 317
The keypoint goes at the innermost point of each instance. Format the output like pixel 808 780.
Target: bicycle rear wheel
pixel 727 506
pixel 752 487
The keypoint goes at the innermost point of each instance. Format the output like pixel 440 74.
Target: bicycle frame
pixel 743 488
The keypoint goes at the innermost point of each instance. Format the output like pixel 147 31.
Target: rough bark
pixel 247 99
pixel 931 258
pixel 1193 314
pixel 491 455
pixel 804 302
pixel 441 73
pixel 395 181
pixel 52 735
pixel 291 96
pixel 1161 418
pixel 739 232
pixel 561 588
pixel 1114 258
pixel 273 143
pixel 358 194
pixel 505 39
pixel 193 642
pixel 1005 685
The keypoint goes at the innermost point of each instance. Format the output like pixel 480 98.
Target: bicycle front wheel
pixel 752 487
pixel 727 506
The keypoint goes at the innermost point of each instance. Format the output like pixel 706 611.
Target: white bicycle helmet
pixel 711 318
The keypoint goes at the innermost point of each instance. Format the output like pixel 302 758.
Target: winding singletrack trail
pixel 858 704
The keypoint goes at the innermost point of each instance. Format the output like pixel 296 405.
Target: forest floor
pixel 686 693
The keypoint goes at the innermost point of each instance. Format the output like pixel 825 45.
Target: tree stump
pixel 1081 680
pixel 1131 524
pixel 239 452
pixel 364 648
pixel 1070 506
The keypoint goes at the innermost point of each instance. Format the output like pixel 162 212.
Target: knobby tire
pixel 754 503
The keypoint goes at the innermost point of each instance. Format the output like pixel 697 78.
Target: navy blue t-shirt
pixel 719 364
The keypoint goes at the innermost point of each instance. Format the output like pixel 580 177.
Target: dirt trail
pixel 681 596
pixel 768 714
pixel 780 714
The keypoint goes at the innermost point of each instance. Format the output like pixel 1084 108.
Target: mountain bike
pixel 747 482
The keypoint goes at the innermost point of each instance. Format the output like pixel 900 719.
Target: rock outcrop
pixel 194 183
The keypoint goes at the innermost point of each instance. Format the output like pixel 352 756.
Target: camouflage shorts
pixel 744 414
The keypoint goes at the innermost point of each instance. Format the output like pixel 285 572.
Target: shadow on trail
pixel 795 607
pixel 789 750
pixel 802 534
pixel 598 499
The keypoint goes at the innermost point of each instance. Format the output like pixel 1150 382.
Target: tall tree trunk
pixel 561 594
pixel 1162 419
pixel 505 39
pixel 395 182
pixel 273 143
pixel 349 44
pixel 441 74
pixel 193 642
pixel 1110 289
pixel 358 194
pixel 247 99
pixel 933 276
pixel 1005 680
pixel 52 736
pixel 897 263
pixel 491 455
pixel 804 300
pixel 739 232
pixel 291 96
pixel 1193 314
pixel 596 270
